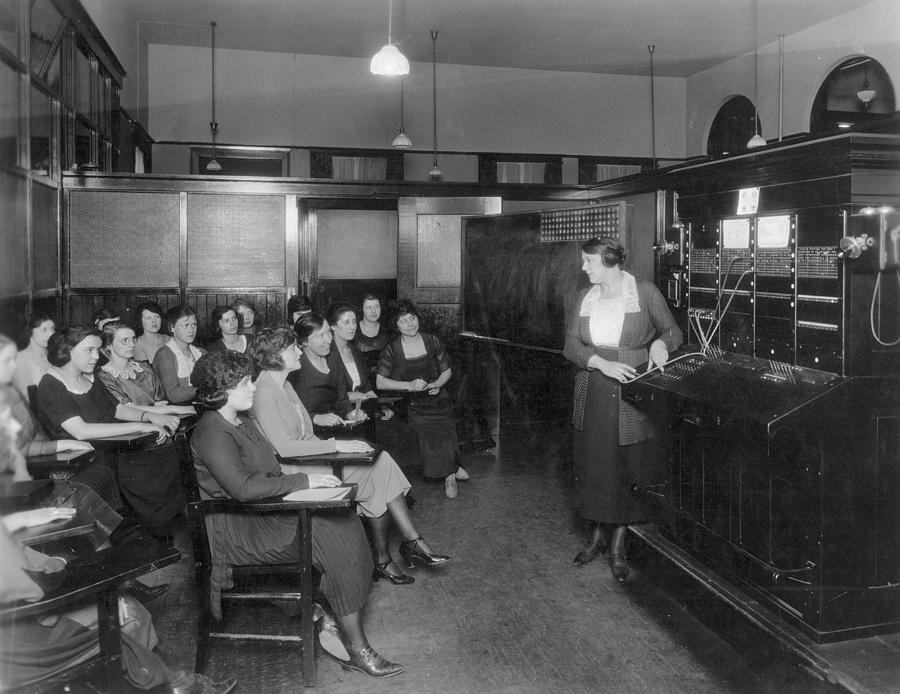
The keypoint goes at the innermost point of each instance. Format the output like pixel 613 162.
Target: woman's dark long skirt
pixel 605 471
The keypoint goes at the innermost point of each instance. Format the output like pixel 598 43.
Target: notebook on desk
pixel 319 494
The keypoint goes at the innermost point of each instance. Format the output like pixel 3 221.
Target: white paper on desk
pixel 318 494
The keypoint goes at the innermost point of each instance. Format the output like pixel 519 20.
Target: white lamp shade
pixel 213 165
pixel 865 95
pixel 389 61
pixel 435 172
pixel 401 141
pixel 756 141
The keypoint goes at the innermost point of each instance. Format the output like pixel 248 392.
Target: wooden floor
pixel 509 613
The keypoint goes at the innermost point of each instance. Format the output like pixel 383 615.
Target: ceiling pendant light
pixel 757 140
pixel 866 94
pixel 401 141
pixel 389 60
pixel 435 172
pixel 213 165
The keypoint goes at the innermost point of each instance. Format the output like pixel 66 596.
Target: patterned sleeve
pixel 386 361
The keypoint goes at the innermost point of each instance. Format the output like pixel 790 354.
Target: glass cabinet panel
pixel 46 25
pixel 11 88
pixel 9 25
pixel 41 133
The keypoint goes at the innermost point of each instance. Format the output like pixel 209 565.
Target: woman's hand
pixel 39 516
pixel 386 413
pixel 161 432
pixel 418 385
pixel 659 355
pixel 617 371
pixel 72 445
pixel 357 416
pixel 433 389
pixel 169 422
pixel 329 419
pixel 352 446
pixel 317 481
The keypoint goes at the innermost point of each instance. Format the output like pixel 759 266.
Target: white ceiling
pixel 607 36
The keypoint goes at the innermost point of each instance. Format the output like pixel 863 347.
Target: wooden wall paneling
pixel 353 291
pixel 291 245
pixel 84 303
pixel 45 237
pixel 422 237
pixel 12 315
pixel 14 236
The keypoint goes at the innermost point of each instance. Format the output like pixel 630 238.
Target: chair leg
pixel 307 618
pixel 202 653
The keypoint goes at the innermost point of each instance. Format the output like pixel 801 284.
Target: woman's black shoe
pixel 617 563
pixel 401 579
pixel 145 593
pixel 409 550
pixel 588 553
pixel 619 567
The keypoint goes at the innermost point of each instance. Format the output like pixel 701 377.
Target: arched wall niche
pixel 837 105
pixel 732 127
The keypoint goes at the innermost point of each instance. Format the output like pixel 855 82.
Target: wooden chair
pixel 253 583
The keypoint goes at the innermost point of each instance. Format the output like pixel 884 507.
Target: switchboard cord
pixel 876 296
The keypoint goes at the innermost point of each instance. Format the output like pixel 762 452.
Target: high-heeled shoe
pixel 619 567
pixel 409 550
pixel 617 562
pixel 368 662
pixel 588 553
pixel 401 579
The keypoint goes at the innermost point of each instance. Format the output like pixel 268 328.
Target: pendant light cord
pixel 651 48
pixel 756 67
pixel 434 36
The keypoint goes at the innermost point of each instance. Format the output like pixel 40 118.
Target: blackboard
pixel 515 287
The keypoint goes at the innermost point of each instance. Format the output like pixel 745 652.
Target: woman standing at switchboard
pixel 613 327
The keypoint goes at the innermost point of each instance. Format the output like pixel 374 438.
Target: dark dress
pixel 148 479
pixel 431 416
pixel 237 462
pixel 370 348
pixel 614 444
pixel 322 393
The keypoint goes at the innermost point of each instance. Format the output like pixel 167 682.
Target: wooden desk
pixel 66 463
pixel 99 579
pixel 335 460
pixel 123 442
pixel 57 530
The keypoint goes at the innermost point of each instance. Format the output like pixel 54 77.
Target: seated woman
pixel 73 404
pixel 417 363
pixel 381 487
pixel 32 362
pixel 174 362
pixel 234 460
pixel 246 313
pixel 371 337
pixel 149 339
pixel 30 439
pixel 153 471
pixel 321 382
pixel 223 325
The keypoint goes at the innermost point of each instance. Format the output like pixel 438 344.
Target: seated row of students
pixel 73 402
